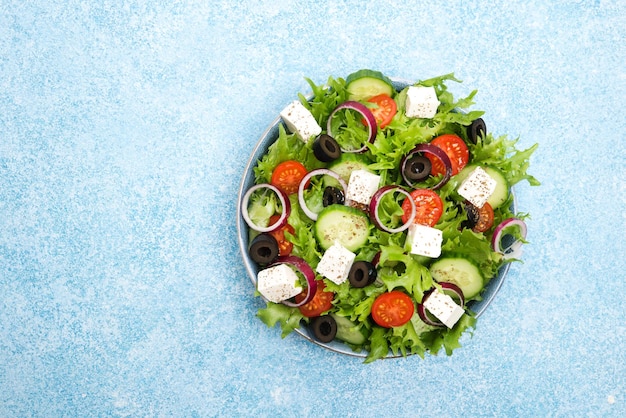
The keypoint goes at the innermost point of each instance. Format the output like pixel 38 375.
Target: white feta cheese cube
pixel 362 186
pixel 421 102
pixel 278 283
pixel 477 187
pixel 424 240
pixel 444 308
pixel 336 263
pixel 300 121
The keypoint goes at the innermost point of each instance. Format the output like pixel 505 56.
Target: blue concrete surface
pixel 124 130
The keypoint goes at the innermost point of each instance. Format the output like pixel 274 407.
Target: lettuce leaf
pixel 303 236
pixel 276 313
pixel 286 147
pixel 501 153
pixel 378 345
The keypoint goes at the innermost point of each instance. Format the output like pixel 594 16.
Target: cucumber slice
pixel 347 163
pixel 348 331
pixel 365 84
pixel 500 194
pixel 459 271
pixel 343 224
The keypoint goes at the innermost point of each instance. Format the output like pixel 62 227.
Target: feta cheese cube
pixel 362 186
pixel 477 187
pixel 444 308
pixel 300 121
pixel 424 240
pixel 278 283
pixel 336 263
pixel 421 102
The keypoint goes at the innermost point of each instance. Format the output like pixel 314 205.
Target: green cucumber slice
pixel 343 224
pixel 460 271
pixel 365 84
pixel 348 331
pixel 347 163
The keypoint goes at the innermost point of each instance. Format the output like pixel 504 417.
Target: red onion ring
pixel 430 319
pixel 376 259
pixel 370 122
pixel 306 271
pixel 515 249
pixel 318 172
pixel 375 202
pixel 433 150
pixel 284 201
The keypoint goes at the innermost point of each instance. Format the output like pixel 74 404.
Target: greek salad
pixel 380 214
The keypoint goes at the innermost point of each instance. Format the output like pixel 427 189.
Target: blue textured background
pixel 124 130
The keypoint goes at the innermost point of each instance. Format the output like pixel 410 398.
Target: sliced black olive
pixel 326 149
pixel 263 249
pixel 324 328
pixel 332 196
pixel 476 129
pixel 473 216
pixel 362 273
pixel 417 168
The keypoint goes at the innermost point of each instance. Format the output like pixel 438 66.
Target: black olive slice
pixel 324 328
pixel 332 196
pixel 473 215
pixel 417 168
pixel 263 249
pixel 477 128
pixel 362 273
pixel 326 149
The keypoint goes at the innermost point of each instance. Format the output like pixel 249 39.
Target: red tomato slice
pixel 485 219
pixel 385 111
pixel 392 309
pixel 287 175
pixel 455 148
pixel 428 207
pixel 284 246
pixel 321 302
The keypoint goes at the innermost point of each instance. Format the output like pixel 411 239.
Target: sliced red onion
pixel 370 122
pixel 433 150
pixel 376 259
pixel 375 262
pixel 429 318
pixel 515 249
pixel 284 201
pixel 303 183
pixel 308 273
pixel 455 289
pixel 375 202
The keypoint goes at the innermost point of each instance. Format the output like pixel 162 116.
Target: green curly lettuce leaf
pixel 449 340
pixel 303 234
pixel 501 153
pixel 262 205
pixel 276 313
pixel 379 347
pixel 286 147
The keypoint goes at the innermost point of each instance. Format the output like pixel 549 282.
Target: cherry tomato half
pixel 284 246
pixel 485 219
pixel 428 207
pixel 321 302
pixel 392 309
pixel 385 111
pixel 455 148
pixel 287 176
